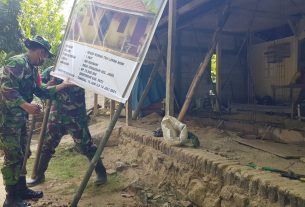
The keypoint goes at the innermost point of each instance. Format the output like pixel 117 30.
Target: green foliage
pixel 9 28
pixel 213 68
pixel 153 5
pixel 81 8
pixel 2 58
pixel 42 17
pixel 4 2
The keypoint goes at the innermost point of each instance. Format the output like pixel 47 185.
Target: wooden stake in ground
pixel 204 64
pixel 112 108
pixel 97 156
pixel 95 107
pixel 28 145
pixel 128 111
pixel 47 112
pixel 41 138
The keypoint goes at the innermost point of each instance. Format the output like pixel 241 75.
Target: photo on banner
pixel 106 42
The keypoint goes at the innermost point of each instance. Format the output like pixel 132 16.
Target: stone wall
pixel 211 180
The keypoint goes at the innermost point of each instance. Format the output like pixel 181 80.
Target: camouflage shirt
pixel 18 83
pixel 69 102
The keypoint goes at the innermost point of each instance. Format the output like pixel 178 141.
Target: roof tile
pixel 132 5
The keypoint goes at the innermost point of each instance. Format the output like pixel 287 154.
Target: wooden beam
pixel 204 64
pixel 293 27
pixel 41 138
pixel 198 10
pixel 190 50
pixel 302 25
pixel 179 66
pixel 169 105
pixel 96 157
pixel 184 10
pixel 112 108
pixel 152 76
pixel 204 31
pixel 128 111
pixel 218 73
pixel 258 13
pixel 95 107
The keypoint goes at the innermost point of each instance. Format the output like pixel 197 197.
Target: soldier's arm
pixel 48 83
pixel 12 73
pixel 44 91
pixel 9 87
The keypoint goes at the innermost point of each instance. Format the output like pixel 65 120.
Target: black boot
pixel 42 168
pixel 101 175
pixel 100 170
pixel 36 181
pixel 26 193
pixel 13 199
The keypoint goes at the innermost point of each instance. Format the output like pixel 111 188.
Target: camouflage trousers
pixel 13 142
pixel 77 127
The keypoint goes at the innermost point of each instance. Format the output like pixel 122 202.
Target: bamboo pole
pixel 152 76
pixel 96 156
pixel 202 67
pixel 41 138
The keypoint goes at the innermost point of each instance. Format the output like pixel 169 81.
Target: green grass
pixel 65 164
pixel 68 167
pixel 115 183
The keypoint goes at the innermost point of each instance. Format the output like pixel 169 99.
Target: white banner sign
pixel 106 44
pixel 100 71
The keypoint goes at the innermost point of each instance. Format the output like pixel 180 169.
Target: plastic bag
pixel 174 132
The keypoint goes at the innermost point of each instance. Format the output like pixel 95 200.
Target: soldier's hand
pixel 64 85
pixel 31 108
pixel 68 83
pixel 51 83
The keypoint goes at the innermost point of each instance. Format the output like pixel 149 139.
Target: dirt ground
pixel 130 184
pixel 126 172
pixel 221 142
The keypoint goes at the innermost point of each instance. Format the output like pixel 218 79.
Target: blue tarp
pixel 155 94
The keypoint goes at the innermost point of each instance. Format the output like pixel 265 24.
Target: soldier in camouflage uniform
pixel 18 83
pixel 67 116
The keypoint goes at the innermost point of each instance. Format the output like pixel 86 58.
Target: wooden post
pixel 95 107
pixel 49 103
pixel 204 64
pixel 96 157
pixel 128 111
pixel 41 138
pixel 169 105
pixel 112 108
pixel 179 63
pixel 103 102
pixel 28 145
pixel 152 76
pixel 218 75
